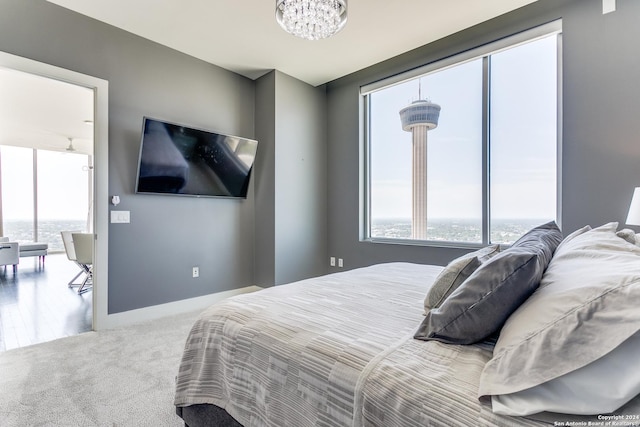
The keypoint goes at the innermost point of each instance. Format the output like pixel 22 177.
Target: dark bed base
pixel 206 416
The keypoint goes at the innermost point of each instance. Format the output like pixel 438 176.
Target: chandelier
pixel 311 19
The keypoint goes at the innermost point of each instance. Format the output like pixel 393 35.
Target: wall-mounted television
pixel 180 160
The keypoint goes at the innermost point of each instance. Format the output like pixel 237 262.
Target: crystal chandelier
pixel 311 19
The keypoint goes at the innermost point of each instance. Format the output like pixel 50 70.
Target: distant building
pixel 418 118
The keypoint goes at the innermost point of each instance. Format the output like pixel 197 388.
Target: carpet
pixel 119 377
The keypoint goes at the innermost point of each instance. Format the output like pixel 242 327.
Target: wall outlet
pixel 196 272
pixel 340 263
pixel 332 261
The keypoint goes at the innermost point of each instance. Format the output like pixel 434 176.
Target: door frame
pixel 100 206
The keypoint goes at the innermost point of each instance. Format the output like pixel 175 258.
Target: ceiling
pixel 243 36
pixel 38 112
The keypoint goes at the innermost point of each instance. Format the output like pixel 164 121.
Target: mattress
pixel 336 350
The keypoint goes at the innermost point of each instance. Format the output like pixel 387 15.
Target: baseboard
pixel 157 311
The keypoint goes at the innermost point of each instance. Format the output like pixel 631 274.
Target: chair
pixel 79 249
pixel 9 253
pixel 83 246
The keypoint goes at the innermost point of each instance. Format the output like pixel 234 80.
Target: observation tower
pixel 418 118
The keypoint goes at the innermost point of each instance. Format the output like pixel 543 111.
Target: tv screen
pixel 180 160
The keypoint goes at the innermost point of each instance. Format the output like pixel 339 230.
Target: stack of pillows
pixel 567 313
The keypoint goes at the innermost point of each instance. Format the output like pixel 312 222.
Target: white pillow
pixel 586 306
pixel 600 387
pixel 573 235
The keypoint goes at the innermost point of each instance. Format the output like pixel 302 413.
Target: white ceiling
pixel 243 36
pixel 38 112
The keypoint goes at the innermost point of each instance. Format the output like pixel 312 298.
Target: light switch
pixel 120 217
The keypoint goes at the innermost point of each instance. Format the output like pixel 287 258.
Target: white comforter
pixel 336 350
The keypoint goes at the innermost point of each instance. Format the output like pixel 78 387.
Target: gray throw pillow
pixel 455 273
pixel 481 305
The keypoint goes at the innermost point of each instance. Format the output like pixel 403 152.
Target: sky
pixel 523 138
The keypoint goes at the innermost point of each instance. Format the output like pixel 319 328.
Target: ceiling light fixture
pixel 311 19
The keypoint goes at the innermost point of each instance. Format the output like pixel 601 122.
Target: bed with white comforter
pixel 339 350
pixel 336 350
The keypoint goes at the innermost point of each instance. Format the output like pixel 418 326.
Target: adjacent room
pixel 387 214
pixel 46 162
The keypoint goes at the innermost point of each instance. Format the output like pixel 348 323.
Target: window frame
pixel 482 52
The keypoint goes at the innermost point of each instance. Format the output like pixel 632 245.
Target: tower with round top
pixel 419 117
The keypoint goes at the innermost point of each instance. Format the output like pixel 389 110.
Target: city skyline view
pixel 522 135
pixel 460 230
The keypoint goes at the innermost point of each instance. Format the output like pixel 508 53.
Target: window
pixel 18 212
pixel 64 198
pixel 42 193
pixel 465 151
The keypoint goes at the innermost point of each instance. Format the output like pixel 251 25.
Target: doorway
pixel 46 158
pixel 84 144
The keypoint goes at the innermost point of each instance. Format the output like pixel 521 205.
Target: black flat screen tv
pixel 179 160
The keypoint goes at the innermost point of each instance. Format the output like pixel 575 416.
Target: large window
pixel 467 151
pixel 42 193
pixel 18 213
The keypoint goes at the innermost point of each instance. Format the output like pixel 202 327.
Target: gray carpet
pixel 121 377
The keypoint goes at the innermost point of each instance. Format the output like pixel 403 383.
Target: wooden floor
pixel 36 305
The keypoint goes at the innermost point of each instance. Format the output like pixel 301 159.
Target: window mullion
pixel 35 195
pixel 486 147
pixel 366 167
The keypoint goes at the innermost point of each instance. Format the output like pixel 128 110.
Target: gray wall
pixel 601 97
pixel 265 184
pixel 300 175
pixel 150 259
pixel 291 225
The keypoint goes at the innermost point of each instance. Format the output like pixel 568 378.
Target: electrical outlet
pixel 332 261
pixel 340 263
pixel 196 272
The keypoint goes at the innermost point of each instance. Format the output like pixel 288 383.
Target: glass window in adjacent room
pixel 44 192
pixel 18 216
pixel 64 195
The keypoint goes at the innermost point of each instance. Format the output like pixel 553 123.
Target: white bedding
pixel 336 350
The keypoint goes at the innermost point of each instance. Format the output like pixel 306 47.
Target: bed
pixel 366 347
